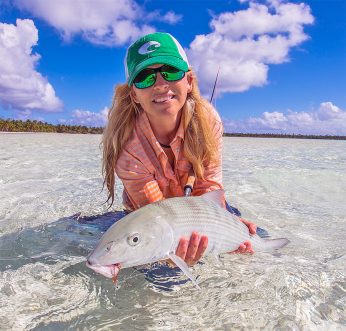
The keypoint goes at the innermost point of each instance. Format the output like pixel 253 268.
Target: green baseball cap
pixel 152 49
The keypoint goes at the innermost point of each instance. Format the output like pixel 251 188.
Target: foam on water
pixel 293 188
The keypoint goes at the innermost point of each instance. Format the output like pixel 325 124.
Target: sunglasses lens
pixel 145 78
pixel 171 74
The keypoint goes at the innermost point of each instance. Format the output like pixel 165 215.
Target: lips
pixel 109 271
pixel 163 98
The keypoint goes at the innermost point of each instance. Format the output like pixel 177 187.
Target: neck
pixel 165 128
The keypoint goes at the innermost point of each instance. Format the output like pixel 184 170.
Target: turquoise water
pixel 293 188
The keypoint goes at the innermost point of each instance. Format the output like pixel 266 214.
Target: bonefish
pixel 152 233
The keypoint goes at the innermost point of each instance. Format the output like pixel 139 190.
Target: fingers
pixel 252 226
pixel 191 250
pixel 182 248
pixel 245 247
pixel 248 248
pixel 196 249
pixel 203 244
pixel 180 251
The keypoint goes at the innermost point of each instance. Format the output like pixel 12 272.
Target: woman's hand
pixel 191 250
pixel 246 247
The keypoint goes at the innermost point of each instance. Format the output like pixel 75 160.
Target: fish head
pixel 141 237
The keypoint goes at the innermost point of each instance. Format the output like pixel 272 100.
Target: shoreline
pixel 29 126
pixel 237 135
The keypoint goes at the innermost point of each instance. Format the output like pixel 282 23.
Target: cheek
pixel 143 98
pixel 139 95
pixel 186 86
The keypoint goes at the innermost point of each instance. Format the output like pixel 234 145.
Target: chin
pixel 169 112
pixel 170 109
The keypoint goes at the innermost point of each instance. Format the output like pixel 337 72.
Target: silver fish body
pixel 152 233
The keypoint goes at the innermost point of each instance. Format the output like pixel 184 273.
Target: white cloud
pixel 328 119
pixel 243 43
pixel 328 111
pixel 105 22
pixel 170 17
pixel 21 86
pixel 88 118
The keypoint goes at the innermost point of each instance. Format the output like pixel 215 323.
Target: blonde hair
pixel 200 143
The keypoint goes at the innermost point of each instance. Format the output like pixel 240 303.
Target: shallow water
pixel 50 183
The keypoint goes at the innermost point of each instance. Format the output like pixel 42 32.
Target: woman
pixel 161 131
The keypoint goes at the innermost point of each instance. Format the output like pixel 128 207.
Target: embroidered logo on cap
pixel 148 47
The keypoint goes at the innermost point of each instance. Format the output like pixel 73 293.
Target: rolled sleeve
pixel 139 184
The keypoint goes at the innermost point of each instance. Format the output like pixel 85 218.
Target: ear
pixel 189 77
pixel 133 95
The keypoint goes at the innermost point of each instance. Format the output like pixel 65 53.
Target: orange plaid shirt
pixel 148 176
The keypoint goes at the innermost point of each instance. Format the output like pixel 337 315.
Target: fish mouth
pixel 109 271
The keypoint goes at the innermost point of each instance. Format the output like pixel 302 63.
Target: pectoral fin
pixel 184 268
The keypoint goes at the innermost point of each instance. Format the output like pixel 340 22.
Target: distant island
pixel 38 126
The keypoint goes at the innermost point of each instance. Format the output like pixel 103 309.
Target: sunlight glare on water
pixel 50 183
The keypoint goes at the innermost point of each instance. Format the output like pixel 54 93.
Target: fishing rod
pixel 192 178
pixel 217 76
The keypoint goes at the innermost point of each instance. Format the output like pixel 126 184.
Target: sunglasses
pixel 147 77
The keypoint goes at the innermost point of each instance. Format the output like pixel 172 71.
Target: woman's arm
pixel 140 186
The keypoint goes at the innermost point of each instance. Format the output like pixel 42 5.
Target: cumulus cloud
pixel 21 86
pixel 88 118
pixel 243 43
pixel 328 119
pixel 105 22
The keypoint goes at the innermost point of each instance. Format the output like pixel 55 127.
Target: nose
pixel 160 83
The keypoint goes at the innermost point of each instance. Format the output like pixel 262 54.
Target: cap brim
pixel 173 61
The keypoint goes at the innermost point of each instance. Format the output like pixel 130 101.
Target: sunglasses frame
pixel 155 71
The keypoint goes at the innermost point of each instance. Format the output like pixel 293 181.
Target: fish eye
pixel 134 239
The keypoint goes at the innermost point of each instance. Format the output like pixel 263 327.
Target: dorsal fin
pixel 217 196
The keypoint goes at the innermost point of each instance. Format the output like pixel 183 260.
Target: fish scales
pixel 207 219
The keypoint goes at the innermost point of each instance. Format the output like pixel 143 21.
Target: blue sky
pixel 282 63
